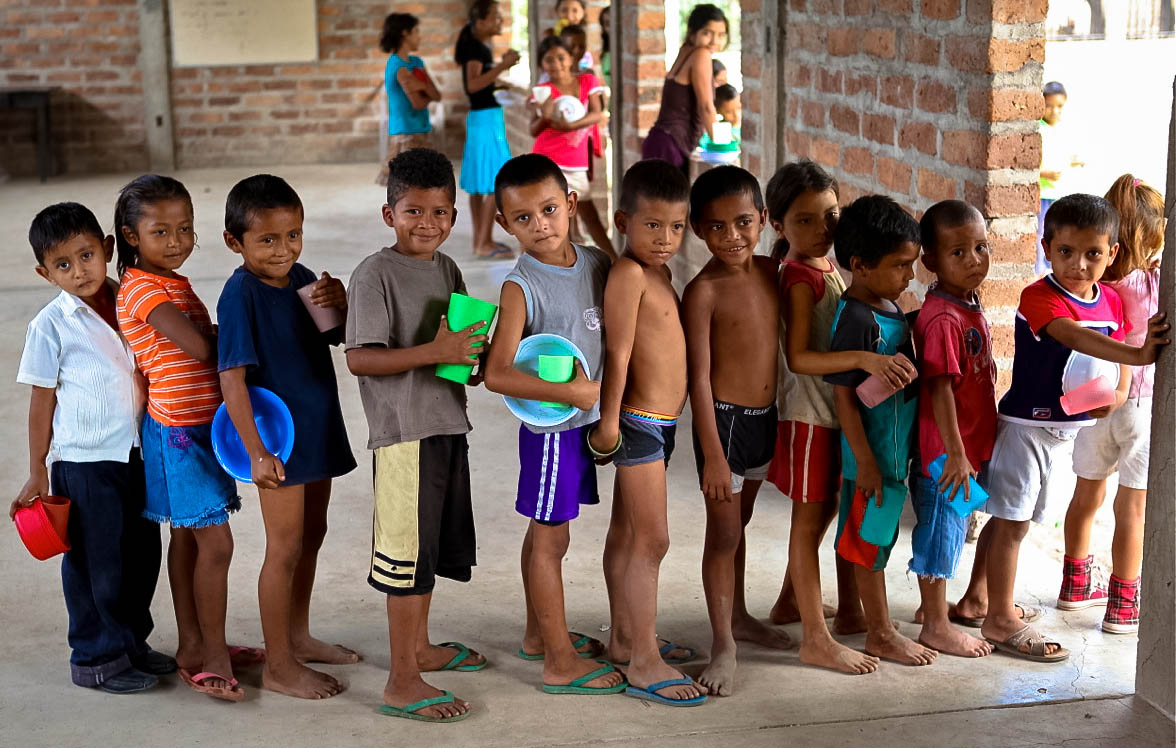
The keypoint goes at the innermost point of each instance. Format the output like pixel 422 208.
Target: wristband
pixel 602 455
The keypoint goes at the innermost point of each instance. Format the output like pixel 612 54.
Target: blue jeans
pixel 939 534
pixel 110 572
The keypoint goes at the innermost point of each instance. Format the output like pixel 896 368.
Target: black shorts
pixel 423 525
pixel 748 436
pixel 645 437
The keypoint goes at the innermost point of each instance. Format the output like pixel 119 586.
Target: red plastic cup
pixel 43 525
pixel 1097 393
pixel 325 317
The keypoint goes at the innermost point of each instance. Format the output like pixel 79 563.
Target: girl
pixel 802 207
pixel 409 88
pixel 486 149
pixel 1121 440
pixel 569 13
pixel 564 142
pixel 688 93
pixel 174 343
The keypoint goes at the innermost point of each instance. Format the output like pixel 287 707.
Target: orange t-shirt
pixel 181 391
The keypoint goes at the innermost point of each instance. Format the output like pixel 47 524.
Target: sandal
pixel 463 653
pixel 595 648
pixel 1029 644
pixel 577 686
pixel 196 682
pixel 409 711
pixel 246 656
pixel 1029 614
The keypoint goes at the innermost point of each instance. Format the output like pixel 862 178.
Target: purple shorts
pixel 556 475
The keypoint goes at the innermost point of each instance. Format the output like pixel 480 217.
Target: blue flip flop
pixel 649 693
pixel 410 711
pixel 463 652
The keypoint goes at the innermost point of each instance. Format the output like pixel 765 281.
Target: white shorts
pixel 1120 441
pixel 577 182
pixel 1019 473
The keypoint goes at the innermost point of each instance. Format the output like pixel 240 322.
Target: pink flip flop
pixel 242 656
pixel 196 683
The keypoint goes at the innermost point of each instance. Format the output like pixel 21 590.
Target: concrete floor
pixel 989 702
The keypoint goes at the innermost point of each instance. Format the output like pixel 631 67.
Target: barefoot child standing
pixel 268 339
pixel 730 311
pixel 642 395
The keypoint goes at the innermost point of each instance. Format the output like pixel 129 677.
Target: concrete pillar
pixel 1155 663
pixel 154 64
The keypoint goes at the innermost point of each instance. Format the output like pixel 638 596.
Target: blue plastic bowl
pixel 275 426
pixel 526 360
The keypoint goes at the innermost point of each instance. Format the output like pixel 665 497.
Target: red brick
pixel 894 175
pixel 842 41
pixel 855 84
pixel 1010 55
pixel 857 161
pixel 935 186
pixel 1001 293
pixel 967 53
pixel 936 97
pixel 800 76
pixel 1004 105
pixel 813 113
pixel 1008 11
pixel 921 49
pixel 879 42
pixel 1021 248
pixel 943 10
pixel 1016 151
pixel 879 128
pixel 1001 200
pixel 922 136
pixel 651 20
pixel 965 148
pixel 898 91
pixel 857 7
pixel 844 119
pixel 798 144
pixel 828 82
pixel 826 152
pixel 895 7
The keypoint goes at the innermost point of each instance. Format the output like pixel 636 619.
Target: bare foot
pixel 953 612
pixel 850 625
pixel 787 612
pixel 755 631
pixel 891 645
pixel 561 677
pixel 313 650
pixel 967 608
pixel 829 653
pixel 719 676
pixel 421 692
pixel 435 658
pixel 951 640
pixel 301 683
pixel 221 665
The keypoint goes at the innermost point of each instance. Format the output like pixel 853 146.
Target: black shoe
pixel 129 681
pixel 154 663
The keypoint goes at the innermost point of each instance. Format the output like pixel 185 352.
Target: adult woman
pixel 409 88
pixel 687 104
pixel 486 149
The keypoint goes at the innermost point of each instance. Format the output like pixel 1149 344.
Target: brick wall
pixel 88 51
pixel 924 100
pixel 640 62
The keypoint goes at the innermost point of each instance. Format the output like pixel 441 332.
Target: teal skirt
pixel 485 151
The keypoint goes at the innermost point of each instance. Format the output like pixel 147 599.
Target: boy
pixel 84 416
pixel 268 339
pixel 642 395
pixel 730 310
pixel 1066 322
pixel 957 409
pixel 878 242
pixel 396 335
pixel 556 287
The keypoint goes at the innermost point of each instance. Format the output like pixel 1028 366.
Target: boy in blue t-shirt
pixel 1069 329
pixel 879 243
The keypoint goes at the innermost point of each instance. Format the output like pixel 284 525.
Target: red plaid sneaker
pixel 1079 590
pixel 1123 609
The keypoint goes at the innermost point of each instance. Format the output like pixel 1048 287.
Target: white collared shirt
pixel 70 348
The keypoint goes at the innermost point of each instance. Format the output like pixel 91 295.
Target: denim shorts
pixel 186 486
pixel 645 437
pixel 939 534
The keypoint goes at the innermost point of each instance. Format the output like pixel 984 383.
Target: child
pixel 802 207
pixel 1122 440
pixel 556 287
pixel 408 86
pixel 84 417
pixel 879 242
pixel 396 335
pixel 718 73
pixel 566 142
pixel 642 395
pixel 174 342
pixel 730 310
pixel 1059 158
pixel 1066 322
pixel 268 339
pixel 957 409
pixel 728 106
pixel 569 13
pixel 576 39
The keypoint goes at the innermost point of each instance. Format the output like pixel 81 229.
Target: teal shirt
pixel 402 118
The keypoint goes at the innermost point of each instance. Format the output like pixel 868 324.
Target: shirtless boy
pixel 730 313
pixel 642 394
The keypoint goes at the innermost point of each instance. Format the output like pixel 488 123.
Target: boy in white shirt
pixel 84 416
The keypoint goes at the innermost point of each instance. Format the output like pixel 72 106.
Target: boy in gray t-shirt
pixel 396 334
pixel 557 287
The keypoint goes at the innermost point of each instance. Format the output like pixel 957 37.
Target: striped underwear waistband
pixel 648 416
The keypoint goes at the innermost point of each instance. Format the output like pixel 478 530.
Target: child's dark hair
pixel 421 168
pixel 479 10
pixel 1082 211
pixel 254 195
pixel 725 93
pixel 788 183
pixel 1053 88
pixel 1141 226
pixel 870 228
pixel 574 36
pixel 701 15
pixel 945 214
pixel 128 210
pixel 549 43
pixel 653 179
pixel 59 223
pixel 717 67
pixel 396 27
pixel 525 170
pixel 722 181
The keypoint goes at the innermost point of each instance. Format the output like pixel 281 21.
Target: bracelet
pixel 602 455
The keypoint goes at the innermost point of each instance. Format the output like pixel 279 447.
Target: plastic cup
pixel 880 523
pixel 723 133
pixel 876 390
pixel 555 369
pixel 1097 393
pixel 976 494
pixel 43 526
pixel 463 312
pixel 325 317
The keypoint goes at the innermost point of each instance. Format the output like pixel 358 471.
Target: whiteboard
pixel 242 32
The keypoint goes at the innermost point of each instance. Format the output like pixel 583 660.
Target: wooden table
pixel 36 99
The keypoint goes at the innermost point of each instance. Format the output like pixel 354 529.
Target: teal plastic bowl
pixel 275 426
pixel 526 360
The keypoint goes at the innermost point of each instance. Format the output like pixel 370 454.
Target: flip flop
pixel 1029 614
pixel 462 653
pixel 580 641
pixel 246 656
pixel 577 686
pixel 650 692
pixel 499 251
pixel 669 646
pixel 196 683
pixel 409 711
pixel 1037 643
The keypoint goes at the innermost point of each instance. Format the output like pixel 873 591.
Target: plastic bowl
pixel 43 526
pixel 526 360
pixel 275 426
pixel 570 108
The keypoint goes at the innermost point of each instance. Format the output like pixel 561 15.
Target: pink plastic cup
pixel 876 389
pixel 325 317
pixel 1097 393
